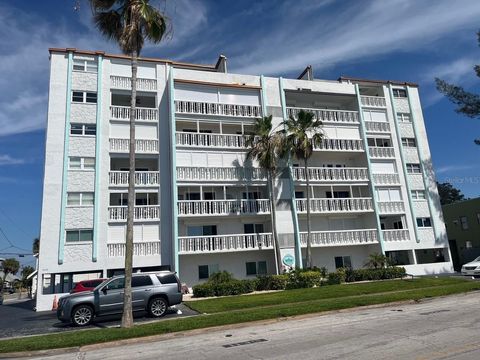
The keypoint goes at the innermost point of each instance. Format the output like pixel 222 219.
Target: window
pixel 252 228
pixel 84 97
pixel 202 230
pixel 81 163
pixel 399 93
pixel 464 222
pixel 413 168
pixel 116 284
pixel 404 117
pixel 80 199
pixel 338 194
pixel 418 195
pixel 141 280
pixel 84 65
pixel 79 235
pixel 299 195
pixel 379 142
pixel 409 142
pixel 167 279
pixel 83 129
pixel 424 222
pixel 389 195
pixel 343 262
pixel 256 268
pixel 204 271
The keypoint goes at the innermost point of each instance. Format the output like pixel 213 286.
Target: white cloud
pixel 453 168
pixel 8 160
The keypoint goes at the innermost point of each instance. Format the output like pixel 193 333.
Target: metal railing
pixel 142 178
pixel 147 248
pixel 191 173
pixel 148 212
pixel 391 207
pixel 330 174
pixel 339 145
pixel 223 207
pixel 141 146
pixel 341 116
pixel 340 237
pixel 373 101
pixel 377 126
pixel 219 243
pixel 323 205
pixel 386 179
pixel 125 82
pixel 396 235
pixel 381 152
pixel 123 113
pixel 210 140
pixel 207 108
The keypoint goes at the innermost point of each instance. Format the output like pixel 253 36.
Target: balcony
pixel 210 140
pixel 125 82
pixel 149 248
pixel 339 145
pixel 373 101
pixel 391 207
pixel 142 178
pixel 223 207
pixel 377 126
pixel 245 174
pixel 386 179
pixel 334 116
pixel 325 174
pixel 223 243
pixel 142 114
pixel 396 235
pixel 142 146
pixel 381 152
pixel 206 108
pixel 340 238
pixel 142 213
pixel 328 206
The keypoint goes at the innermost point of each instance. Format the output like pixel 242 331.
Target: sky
pixel 408 40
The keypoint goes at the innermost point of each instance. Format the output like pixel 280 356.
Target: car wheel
pixel 82 315
pixel 157 307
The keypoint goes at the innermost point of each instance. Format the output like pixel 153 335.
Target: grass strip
pixel 80 338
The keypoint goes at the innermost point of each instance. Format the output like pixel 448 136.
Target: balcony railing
pixel 386 179
pixel 223 207
pixel 142 178
pixel 123 113
pixel 340 238
pixel 381 152
pixel 148 248
pixel 188 173
pixel 373 101
pixel 339 145
pixel 148 212
pixel 207 108
pixel 210 140
pixel 391 207
pixel 142 146
pixel 124 82
pixel 331 174
pixel 327 115
pixel 377 126
pixel 335 205
pixel 220 243
pixel 396 235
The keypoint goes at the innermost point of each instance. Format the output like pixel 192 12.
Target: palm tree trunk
pixel 309 225
pixel 273 214
pixel 127 318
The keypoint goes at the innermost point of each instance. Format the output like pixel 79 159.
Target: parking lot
pixel 17 318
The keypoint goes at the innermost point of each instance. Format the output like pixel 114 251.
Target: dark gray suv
pixel 151 292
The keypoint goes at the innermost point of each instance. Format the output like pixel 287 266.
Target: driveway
pixel 18 319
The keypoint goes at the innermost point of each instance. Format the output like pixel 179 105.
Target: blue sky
pixel 414 40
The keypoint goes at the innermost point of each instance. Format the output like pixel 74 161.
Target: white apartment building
pixel 200 205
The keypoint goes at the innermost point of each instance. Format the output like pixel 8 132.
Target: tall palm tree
pixel 263 147
pixel 299 137
pixel 129 23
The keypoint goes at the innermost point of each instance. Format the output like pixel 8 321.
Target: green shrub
pixel 374 274
pixel 203 290
pixel 271 282
pixel 224 288
pixel 337 277
pixel 220 277
pixel 300 279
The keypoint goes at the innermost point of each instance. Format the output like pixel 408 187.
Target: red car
pixel 86 285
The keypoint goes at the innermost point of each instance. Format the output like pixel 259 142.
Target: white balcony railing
pixel 148 212
pixel 381 152
pixel 148 248
pixel 220 243
pixel 223 207
pixel 210 140
pixel 373 101
pixel 340 238
pixel 335 205
pixel 142 178
pixel 125 82
pixel 391 207
pixel 207 108
pixel 386 179
pixel 339 145
pixel 396 235
pixel 123 113
pixel 327 115
pixel 190 173
pixel 377 126
pixel 331 174
pixel 142 146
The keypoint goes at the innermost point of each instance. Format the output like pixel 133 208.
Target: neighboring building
pixel 462 220
pixel 200 206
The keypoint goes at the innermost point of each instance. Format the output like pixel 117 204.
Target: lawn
pixel 241 309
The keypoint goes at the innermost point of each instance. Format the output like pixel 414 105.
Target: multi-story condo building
pixel 200 205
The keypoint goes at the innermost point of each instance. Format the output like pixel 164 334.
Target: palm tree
pixel 36 246
pixel 263 147
pixel 299 137
pixel 129 23
pixel 8 266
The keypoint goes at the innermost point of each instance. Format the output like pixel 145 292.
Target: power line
pixel 14 223
pixel 11 244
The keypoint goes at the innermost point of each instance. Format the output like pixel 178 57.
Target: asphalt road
pixel 441 328
pixel 17 318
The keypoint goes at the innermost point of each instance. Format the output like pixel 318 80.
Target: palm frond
pixel 104 4
pixel 109 24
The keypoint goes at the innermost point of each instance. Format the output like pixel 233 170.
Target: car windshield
pixel 477 259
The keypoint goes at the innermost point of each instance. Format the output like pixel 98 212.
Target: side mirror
pixel 104 290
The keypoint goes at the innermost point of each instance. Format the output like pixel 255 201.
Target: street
pixel 441 328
